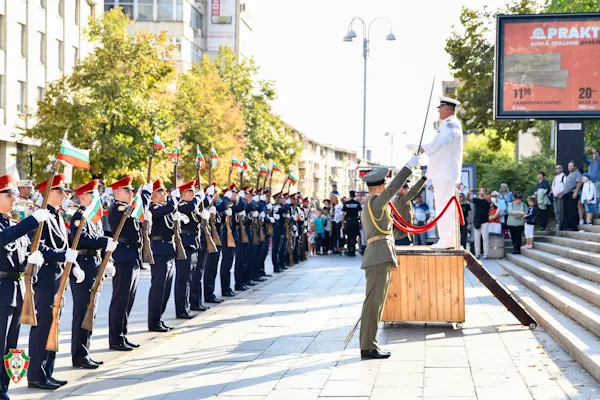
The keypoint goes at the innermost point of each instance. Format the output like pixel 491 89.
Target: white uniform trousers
pixel 443 190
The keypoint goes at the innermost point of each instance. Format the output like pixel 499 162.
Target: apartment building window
pixel 40 93
pixel 196 20
pixel 23 33
pixel 127 7
pixel 76 12
pixel 61 8
pixel 145 10
pixel 178 10
pixel 21 97
pixel 165 10
pixel 61 55
pixel 109 5
pixel 75 56
pixel 196 53
pixel 42 48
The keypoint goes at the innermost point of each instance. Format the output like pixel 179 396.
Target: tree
pixel 267 138
pixel 477 150
pixel 207 114
pixel 472 62
pixel 111 103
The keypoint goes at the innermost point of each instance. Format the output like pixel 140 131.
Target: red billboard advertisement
pixel 548 66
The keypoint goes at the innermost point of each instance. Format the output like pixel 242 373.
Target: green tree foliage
pixel 207 114
pixel 267 138
pixel 471 53
pixel 110 104
pixel 477 150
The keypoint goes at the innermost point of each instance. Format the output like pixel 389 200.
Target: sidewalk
pixel 285 340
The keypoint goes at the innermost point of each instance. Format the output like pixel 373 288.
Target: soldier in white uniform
pixel 444 169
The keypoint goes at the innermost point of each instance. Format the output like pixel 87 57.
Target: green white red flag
pixel 94 211
pixel 138 207
pixel 158 144
pixel 235 163
pixel 292 178
pixel 276 168
pixel 214 158
pixel 176 155
pixel 244 165
pixel 70 155
pixel 200 161
pixel 263 170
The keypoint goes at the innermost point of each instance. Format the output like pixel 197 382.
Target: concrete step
pixel 583 288
pixel 571 243
pixel 574 261
pixel 590 228
pixel 587 236
pixel 579 342
pixel 581 311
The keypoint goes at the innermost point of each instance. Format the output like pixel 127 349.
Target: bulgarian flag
pixel 176 155
pixel 94 211
pixel 138 207
pixel 269 172
pixel 245 165
pixel 276 168
pixel 70 155
pixel 235 163
pixel 158 144
pixel 200 161
pixel 263 170
pixel 214 158
pixel 292 178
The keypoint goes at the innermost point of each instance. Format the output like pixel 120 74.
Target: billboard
pixel 221 25
pixel 547 66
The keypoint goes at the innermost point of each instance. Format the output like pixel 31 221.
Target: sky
pixel 319 78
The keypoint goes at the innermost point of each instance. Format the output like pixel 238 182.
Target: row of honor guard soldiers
pixel 235 228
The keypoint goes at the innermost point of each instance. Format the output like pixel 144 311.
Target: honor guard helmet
pixel 8 185
pixel 58 183
pixel 87 188
pixel 123 183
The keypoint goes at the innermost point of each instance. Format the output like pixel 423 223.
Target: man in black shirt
pixel 480 220
pixel 351 222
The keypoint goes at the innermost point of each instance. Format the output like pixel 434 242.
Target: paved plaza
pixel 285 340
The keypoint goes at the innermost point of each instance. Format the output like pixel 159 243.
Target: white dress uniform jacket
pixel 445 152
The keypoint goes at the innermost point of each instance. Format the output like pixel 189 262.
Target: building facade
pixel 39 41
pixel 323 168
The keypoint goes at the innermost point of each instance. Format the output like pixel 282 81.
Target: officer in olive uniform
pixel 163 248
pixel 13 251
pixel 54 245
pixel 403 203
pixel 128 261
pixel 212 260
pixel 380 255
pixel 91 241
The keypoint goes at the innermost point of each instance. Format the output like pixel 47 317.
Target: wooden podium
pixel 427 286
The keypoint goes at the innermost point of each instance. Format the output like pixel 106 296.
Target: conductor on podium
pixel 380 254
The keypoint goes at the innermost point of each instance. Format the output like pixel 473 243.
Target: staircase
pixel 558 282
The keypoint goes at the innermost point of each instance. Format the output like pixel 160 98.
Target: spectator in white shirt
pixel 557 189
pixel 588 197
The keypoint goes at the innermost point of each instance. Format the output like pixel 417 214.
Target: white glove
pixel 110 269
pixel 255 199
pixel 148 187
pixel 111 245
pixel 185 219
pixel 175 194
pixel 212 210
pixel 78 273
pixel 242 213
pixel 412 162
pixel 36 258
pixel 200 194
pixel 148 215
pixel 276 217
pixel 71 256
pixel 272 220
pixel 41 215
pixel 276 208
pixel 255 214
pixel 295 234
pixel 228 194
pixel 108 191
pixel 262 214
pixel 176 216
pixel 205 214
pixel 287 215
pixel 288 201
pixel 210 190
pixel 263 197
pixel 228 212
pixel 295 228
pixel 65 204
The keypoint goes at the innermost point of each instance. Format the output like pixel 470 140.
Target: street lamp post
pixel 366 40
pixel 391 135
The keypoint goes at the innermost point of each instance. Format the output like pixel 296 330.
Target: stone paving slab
pixel 285 340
